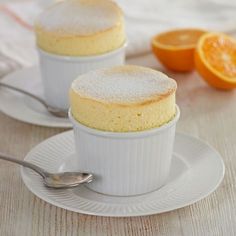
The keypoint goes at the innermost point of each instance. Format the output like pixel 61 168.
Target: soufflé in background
pixel 74 37
pixel 81 28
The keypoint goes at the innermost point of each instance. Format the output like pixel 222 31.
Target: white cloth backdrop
pixel 144 18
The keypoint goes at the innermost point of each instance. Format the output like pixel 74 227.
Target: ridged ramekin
pixel 58 72
pixel 125 164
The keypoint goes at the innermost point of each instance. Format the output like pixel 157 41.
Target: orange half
pixel 215 60
pixel 175 49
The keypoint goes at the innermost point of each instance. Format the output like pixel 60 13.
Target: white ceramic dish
pixel 125 164
pixel 58 72
pixel 26 109
pixel 196 171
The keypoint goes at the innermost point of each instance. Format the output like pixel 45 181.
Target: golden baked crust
pixel 123 99
pixel 80 28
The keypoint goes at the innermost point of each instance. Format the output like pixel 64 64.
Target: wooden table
pixel 205 113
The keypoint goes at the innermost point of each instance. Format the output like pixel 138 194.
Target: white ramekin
pixel 58 72
pixel 125 164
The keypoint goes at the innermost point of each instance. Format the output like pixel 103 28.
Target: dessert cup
pixel 125 163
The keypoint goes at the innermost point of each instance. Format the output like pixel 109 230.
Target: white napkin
pixel 144 18
pixel 17 38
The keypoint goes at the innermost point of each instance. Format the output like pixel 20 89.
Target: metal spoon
pixel 54 111
pixel 54 180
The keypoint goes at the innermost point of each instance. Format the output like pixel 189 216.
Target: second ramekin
pixel 58 72
pixel 125 164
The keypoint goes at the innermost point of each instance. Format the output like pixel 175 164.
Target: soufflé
pixel 123 99
pixel 80 28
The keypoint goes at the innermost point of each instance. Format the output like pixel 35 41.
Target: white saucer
pixel 197 170
pixel 24 108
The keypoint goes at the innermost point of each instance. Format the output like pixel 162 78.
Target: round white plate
pixel 24 108
pixel 196 171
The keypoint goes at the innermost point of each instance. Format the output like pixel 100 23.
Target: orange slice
pixel 175 49
pixel 215 60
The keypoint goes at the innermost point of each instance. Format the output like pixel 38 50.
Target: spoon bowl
pixel 65 179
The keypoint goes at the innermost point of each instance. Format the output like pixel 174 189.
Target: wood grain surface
pixel 205 113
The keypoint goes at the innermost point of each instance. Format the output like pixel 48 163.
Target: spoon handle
pixel 24 163
pixel 24 92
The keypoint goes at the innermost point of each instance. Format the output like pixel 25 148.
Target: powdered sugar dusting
pixel 123 84
pixel 83 17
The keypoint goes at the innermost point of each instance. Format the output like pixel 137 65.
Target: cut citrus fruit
pixel 215 60
pixel 175 49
